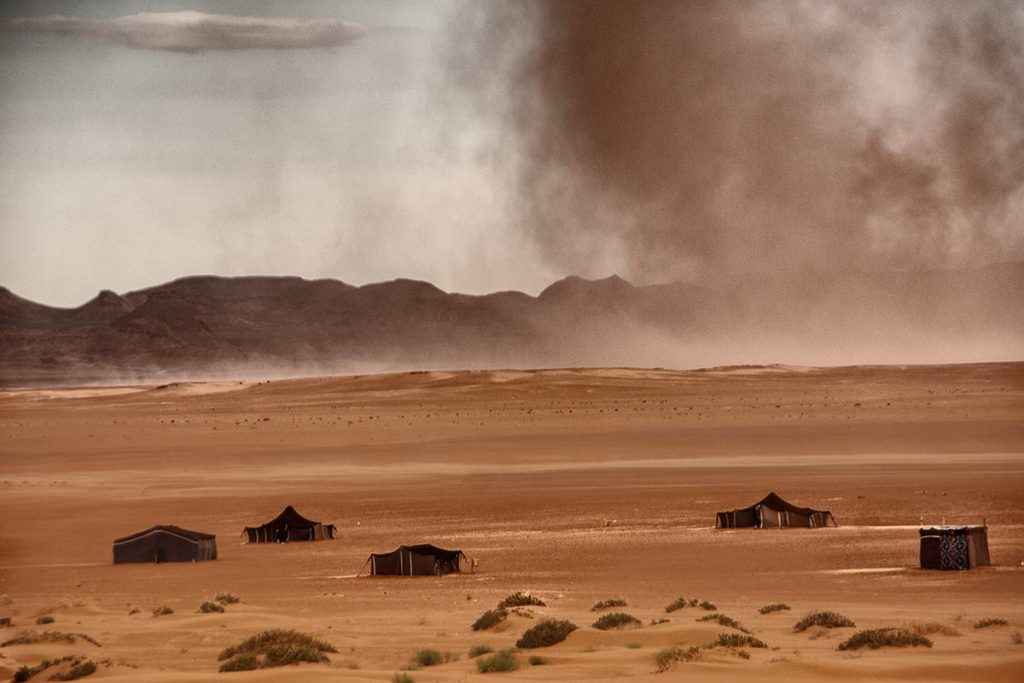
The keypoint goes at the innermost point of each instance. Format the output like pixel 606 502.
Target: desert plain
pixel 577 485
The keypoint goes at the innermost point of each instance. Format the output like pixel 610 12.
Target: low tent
pixel 954 547
pixel 289 526
pixel 416 560
pixel 773 512
pixel 165 544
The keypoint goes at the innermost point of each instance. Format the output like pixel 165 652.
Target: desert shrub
pixel 503 660
pixel 634 646
pixel 78 670
pixel 520 599
pixel 162 611
pixel 27 672
pixel 227 599
pixel 680 603
pixel 616 620
pixel 985 623
pixel 45 619
pixel 735 640
pixel 875 638
pixel 670 656
pixel 661 620
pixel 774 607
pixel 33 637
pixel 709 606
pixel 478 650
pixel 823 619
pixel 402 678
pixel 928 628
pixel 537 660
pixel 1016 638
pixel 608 604
pixel 241 663
pixel 208 607
pixel 277 647
pixel 724 621
pixel 134 610
pixel 431 657
pixel 743 654
pixel 522 612
pixel 545 633
pixel 5 621
pixel 490 619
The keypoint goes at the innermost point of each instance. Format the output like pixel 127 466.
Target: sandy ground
pixel 577 485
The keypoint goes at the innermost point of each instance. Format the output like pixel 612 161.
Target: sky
pixel 134 151
pixel 497 144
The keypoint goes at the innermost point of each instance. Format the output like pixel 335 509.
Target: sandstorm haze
pixel 816 182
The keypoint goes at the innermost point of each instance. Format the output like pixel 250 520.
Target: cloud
pixel 197 31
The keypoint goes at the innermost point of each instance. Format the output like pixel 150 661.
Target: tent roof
pixel 291 517
pixel 170 529
pixel 950 529
pixel 776 502
pixel 423 549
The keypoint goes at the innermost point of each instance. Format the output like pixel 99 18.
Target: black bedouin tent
pixel 415 560
pixel 773 512
pixel 289 526
pixel 954 547
pixel 165 544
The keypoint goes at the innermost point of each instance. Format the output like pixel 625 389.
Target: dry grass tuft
pixel 876 638
pixel 823 619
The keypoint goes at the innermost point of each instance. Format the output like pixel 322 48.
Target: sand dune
pixel 578 485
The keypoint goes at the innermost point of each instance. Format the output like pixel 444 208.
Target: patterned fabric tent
pixel 954 547
pixel 165 544
pixel 289 526
pixel 773 512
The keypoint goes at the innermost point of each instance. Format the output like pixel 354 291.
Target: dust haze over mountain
pixel 714 140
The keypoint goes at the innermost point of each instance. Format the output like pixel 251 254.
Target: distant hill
pixel 199 327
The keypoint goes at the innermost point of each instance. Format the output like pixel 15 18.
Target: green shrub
pixel 670 656
pixel 884 637
pixel 616 620
pixel 724 621
pixel 608 604
pixel 208 607
pixel 241 663
pixel 162 611
pixel 431 657
pixel 490 619
pixel 33 637
pixel 985 623
pixel 277 647
pixel 735 640
pixel 79 670
pixel 774 607
pixel 537 660
pixel 520 599
pixel 504 660
pixel 45 619
pixel 478 650
pixel 823 619
pixel 227 599
pixel 680 603
pixel 27 672
pixel 545 633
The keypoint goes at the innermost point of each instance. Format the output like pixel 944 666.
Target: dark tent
pixel 772 512
pixel 416 560
pixel 289 526
pixel 165 544
pixel 954 547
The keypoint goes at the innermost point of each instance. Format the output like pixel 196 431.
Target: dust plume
pixel 708 140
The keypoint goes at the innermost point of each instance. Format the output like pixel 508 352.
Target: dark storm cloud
pixel 724 137
pixel 196 31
